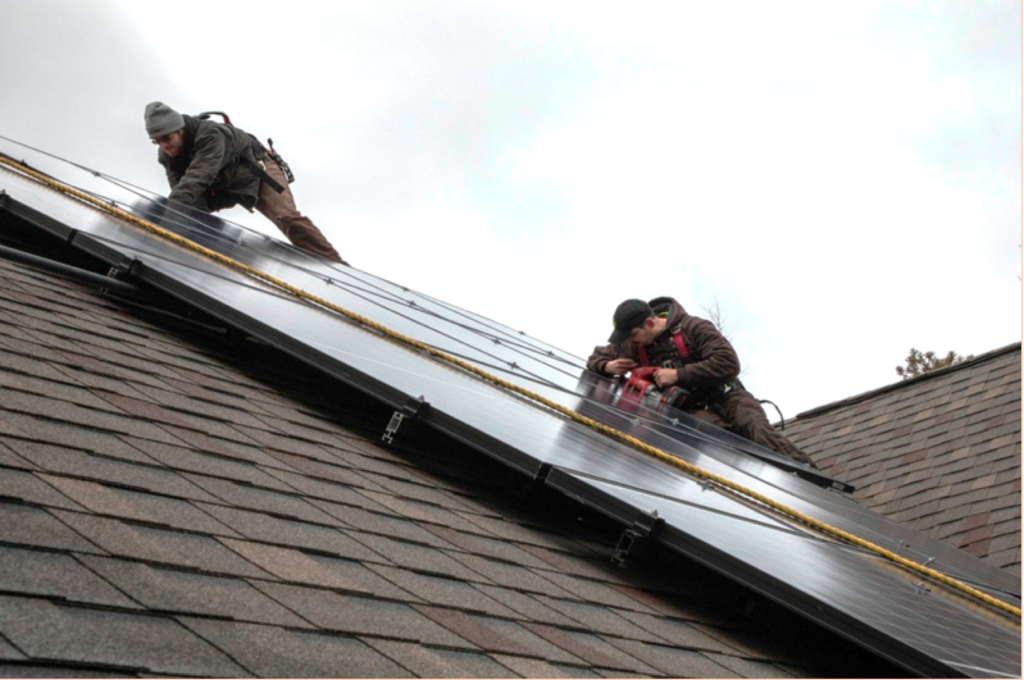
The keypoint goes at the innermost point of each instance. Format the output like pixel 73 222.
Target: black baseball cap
pixel 629 315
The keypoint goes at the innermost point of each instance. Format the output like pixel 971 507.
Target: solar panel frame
pixel 127 248
pixel 622 505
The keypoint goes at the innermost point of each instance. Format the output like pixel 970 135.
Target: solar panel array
pixel 925 627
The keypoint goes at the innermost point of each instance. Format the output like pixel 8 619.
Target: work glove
pixel 638 379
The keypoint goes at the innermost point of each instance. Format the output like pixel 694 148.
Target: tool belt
pixel 260 168
pixel 709 398
pixel 273 155
pixel 640 389
pixel 683 399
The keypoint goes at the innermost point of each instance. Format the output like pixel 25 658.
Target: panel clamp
pixel 411 409
pixel 121 271
pixel 633 537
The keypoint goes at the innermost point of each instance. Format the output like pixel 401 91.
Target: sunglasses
pixel 164 139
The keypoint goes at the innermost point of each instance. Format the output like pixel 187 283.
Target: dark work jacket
pixel 210 174
pixel 711 365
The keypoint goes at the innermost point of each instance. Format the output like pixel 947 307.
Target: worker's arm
pixel 173 177
pixel 209 156
pixel 608 360
pixel 718 364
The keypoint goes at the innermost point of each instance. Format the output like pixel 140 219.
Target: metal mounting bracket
pixel 411 409
pixel 120 271
pixel 633 537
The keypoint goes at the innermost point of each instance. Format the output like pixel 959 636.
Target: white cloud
pixel 842 178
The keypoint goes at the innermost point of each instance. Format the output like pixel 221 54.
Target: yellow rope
pixel 693 470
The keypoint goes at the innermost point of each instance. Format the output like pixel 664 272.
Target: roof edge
pixel 981 358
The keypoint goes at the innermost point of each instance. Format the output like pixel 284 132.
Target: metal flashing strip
pixel 101 281
pixel 600 471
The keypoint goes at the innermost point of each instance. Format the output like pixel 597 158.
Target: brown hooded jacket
pixel 712 362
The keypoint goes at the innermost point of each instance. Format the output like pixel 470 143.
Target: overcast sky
pixel 842 179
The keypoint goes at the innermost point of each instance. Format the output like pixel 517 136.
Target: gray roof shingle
pixel 276 652
pixel 114 639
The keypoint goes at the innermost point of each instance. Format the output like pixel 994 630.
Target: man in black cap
pixel 691 363
pixel 211 166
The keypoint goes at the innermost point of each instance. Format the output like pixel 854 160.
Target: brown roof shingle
pixel 940 453
pixel 233 514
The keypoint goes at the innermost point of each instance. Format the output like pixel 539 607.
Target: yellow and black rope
pixel 693 470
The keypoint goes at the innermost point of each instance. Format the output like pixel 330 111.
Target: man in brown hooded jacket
pixel 687 357
pixel 211 166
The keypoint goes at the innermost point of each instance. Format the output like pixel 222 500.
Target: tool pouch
pixel 273 155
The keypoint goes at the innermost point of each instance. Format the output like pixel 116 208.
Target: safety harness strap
pixel 261 172
pixel 677 337
pixel 255 166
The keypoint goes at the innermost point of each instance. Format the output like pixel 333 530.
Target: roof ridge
pixel 892 387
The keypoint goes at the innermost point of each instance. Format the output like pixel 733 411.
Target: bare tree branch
pixel 919 363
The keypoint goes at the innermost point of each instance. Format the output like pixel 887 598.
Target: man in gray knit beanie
pixel 162 120
pixel 211 166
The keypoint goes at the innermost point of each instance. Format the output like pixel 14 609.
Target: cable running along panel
pixel 923 626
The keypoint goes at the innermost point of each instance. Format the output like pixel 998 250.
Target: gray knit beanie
pixel 162 120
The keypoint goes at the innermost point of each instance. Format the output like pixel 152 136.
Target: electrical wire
pixel 695 471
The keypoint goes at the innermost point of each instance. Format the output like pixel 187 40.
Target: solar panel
pixel 906 620
pixel 923 626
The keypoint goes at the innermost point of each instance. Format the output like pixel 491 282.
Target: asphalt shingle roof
pixel 173 504
pixel 940 453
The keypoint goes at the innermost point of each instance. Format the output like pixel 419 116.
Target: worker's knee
pixel 708 416
pixel 747 422
pixel 745 429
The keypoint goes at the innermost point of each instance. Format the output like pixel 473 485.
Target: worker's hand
pixel 638 379
pixel 664 377
pixel 619 367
